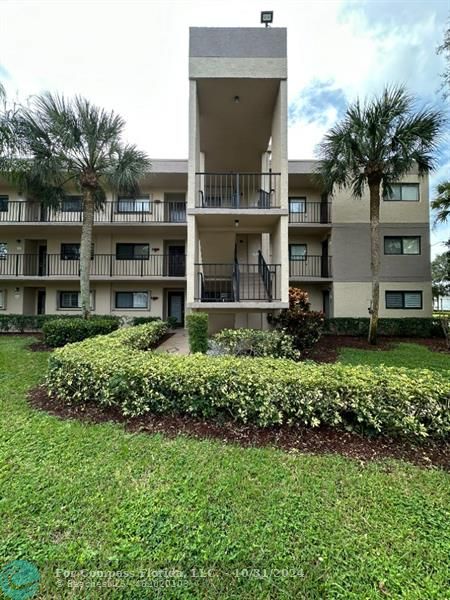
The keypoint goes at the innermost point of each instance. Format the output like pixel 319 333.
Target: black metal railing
pixel 309 212
pixel 108 265
pixel 238 190
pixel 16 211
pixel 265 274
pixel 310 266
pixel 235 282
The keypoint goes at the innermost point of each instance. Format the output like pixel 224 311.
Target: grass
pixel 82 496
pixel 412 356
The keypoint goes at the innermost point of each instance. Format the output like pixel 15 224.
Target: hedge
pixel 197 326
pixel 253 342
pixel 406 327
pixel 59 332
pixel 21 323
pixel 111 371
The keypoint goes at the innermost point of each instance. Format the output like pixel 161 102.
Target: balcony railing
pixel 238 190
pixel 232 282
pixel 17 211
pixel 310 212
pixel 103 265
pixel 310 266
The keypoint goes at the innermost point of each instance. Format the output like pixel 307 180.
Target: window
pixel 404 300
pixel 72 203
pixel 404 192
pixel 72 300
pixel 72 251
pixel 138 204
pixel 402 245
pixel 297 205
pixel 4 203
pixel 132 251
pixel 2 299
pixel 297 251
pixel 3 250
pixel 131 300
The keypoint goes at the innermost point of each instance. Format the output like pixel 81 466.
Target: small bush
pixel 59 332
pixel 304 325
pixel 254 342
pixel 21 323
pixel 197 325
pixel 111 370
pixel 171 321
pixel 404 327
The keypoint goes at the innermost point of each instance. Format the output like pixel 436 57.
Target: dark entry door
pixel 176 261
pixel 41 302
pixel 175 308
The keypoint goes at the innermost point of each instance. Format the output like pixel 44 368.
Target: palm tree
pixel 65 142
pixel 376 144
pixel 442 202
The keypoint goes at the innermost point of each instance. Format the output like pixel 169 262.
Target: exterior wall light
pixel 267 17
pixel 236 222
pixel 236 99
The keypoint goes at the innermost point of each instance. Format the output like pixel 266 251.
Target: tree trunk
pixel 374 189
pixel 85 252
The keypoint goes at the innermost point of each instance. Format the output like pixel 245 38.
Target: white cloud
pixel 132 56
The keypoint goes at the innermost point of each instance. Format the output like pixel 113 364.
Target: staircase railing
pixel 236 277
pixel 265 274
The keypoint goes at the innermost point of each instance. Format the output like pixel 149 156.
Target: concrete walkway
pixel 176 344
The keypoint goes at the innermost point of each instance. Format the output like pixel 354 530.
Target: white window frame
pixel 3 299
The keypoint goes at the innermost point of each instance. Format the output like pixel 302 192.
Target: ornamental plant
pixel 118 370
pixel 299 321
pixel 254 342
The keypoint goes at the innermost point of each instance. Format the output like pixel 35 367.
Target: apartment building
pixel 228 230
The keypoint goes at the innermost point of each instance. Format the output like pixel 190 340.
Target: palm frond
pixel 442 202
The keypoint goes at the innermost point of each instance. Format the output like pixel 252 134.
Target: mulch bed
pixel 323 440
pixel 327 348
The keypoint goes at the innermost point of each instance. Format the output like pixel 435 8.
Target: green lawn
pixel 413 356
pixel 78 496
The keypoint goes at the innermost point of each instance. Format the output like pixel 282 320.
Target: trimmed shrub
pixel 197 325
pixel 171 321
pixel 405 327
pixel 21 323
pixel 59 332
pixel 299 321
pixel 254 342
pixel 111 371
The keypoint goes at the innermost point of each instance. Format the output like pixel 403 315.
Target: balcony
pixel 236 282
pixel 238 191
pixel 112 212
pixel 102 266
pixel 302 211
pixel 310 267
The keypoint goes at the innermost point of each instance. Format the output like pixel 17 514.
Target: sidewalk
pixel 176 344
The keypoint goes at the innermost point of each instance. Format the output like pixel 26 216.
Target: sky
pixel 132 56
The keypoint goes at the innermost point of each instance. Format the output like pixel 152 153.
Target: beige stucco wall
pixel 348 209
pixel 353 299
